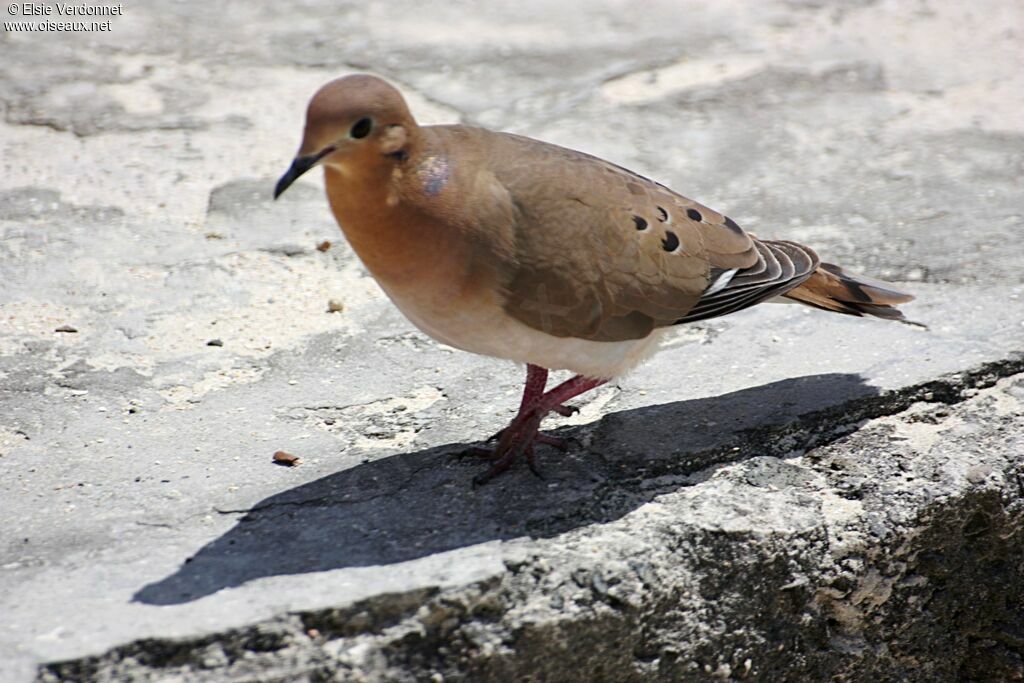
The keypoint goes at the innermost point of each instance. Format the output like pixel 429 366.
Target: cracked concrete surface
pixel 779 494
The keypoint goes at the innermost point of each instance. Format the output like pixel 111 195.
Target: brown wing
pixel 602 253
pixel 780 267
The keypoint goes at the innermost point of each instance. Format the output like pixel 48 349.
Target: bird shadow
pixel 411 505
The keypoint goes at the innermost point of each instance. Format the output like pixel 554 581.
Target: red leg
pixel 533 390
pixel 570 388
pixel 518 438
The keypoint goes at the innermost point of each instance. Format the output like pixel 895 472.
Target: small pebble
pixel 66 328
pixel 977 474
pixel 324 246
pixel 286 459
pixel 335 306
pixel 215 342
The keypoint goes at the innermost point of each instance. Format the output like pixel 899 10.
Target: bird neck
pixel 397 240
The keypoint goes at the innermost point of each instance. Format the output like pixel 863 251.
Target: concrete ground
pixel 780 494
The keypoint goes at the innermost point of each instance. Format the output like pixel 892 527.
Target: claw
pixel 501 463
pixel 565 411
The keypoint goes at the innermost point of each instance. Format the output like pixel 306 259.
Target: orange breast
pixel 411 254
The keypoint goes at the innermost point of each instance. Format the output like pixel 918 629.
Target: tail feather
pixel 833 289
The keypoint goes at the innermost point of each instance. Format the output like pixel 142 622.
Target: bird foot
pixel 489 452
pixel 523 433
pixel 492 455
pixel 541 438
pixel 518 439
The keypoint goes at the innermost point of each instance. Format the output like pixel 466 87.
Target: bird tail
pixel 833 289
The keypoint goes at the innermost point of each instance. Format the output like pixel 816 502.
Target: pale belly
pixel 483 327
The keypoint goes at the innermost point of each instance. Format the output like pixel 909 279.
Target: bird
pixel 519 249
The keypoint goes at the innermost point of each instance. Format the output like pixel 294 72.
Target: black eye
pixel 361 128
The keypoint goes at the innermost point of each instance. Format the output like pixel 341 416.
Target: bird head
pixel 354 124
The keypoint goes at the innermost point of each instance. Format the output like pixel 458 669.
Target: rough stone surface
pixel 778 495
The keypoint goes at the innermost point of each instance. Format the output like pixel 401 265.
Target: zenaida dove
pixel 515 248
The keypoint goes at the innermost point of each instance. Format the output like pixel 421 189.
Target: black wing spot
pixel 662 214
pixel 670 242
pixel 694 215
pixel 731 224
pixel 641 223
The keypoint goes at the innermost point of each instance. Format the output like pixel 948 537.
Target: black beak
pixel 299 166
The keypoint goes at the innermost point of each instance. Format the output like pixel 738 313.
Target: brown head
pixel 357 123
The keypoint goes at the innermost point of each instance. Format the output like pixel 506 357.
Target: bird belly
pixel 483 327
